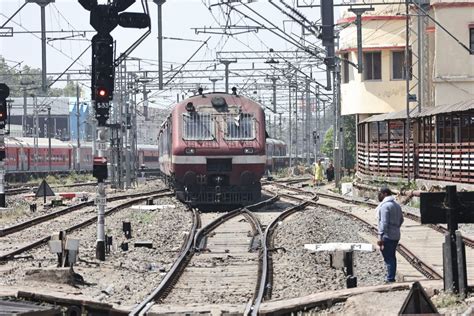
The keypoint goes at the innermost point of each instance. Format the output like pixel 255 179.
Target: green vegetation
pixel 349 128
pixel 15 75
pixel 328 143
pixel 447 300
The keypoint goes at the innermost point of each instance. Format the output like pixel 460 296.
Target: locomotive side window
pixel 197 126
pixel 240 127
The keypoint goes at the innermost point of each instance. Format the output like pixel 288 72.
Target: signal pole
pixel 104 18
pixel 4 93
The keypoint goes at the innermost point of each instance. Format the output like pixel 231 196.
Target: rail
pixel 265 280
pixel 40 219
pixel 87 222
pixel 187 252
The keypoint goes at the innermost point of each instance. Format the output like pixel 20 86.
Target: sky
pixel 179 17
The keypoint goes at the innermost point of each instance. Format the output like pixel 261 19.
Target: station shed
pixel 440 147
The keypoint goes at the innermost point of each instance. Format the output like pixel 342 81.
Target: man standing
pixel 330 172
pixel 390 218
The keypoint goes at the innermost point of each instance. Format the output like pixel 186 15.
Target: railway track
pixel 325 200
pixel 21 237
pixel 225 256
pixel 439 228
pixel 20 190
pixel 43 218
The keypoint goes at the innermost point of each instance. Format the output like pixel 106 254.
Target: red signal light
pixel 102 92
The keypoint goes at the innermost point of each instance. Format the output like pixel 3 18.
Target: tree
pixel 349 128
pixel 328 144
pixel 30 79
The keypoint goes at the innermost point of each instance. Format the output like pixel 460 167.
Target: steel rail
pixel 187 253
pixel 40 219
pixel 87 222
pixel 469 242
pixel 416 262
pixel 266 277
pixel 177 266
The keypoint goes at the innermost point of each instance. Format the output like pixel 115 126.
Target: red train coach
pixel 212 149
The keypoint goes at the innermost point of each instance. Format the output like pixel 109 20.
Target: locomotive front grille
pixel 219 164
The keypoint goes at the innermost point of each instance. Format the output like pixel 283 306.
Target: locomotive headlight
pixel 248 150
pixel 190 151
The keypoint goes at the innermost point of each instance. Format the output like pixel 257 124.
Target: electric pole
pixel 43 4
pixel 4 93
pixel 78 113
pixel 160 43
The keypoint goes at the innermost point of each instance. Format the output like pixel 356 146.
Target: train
pixel 213 149
pixel 19 156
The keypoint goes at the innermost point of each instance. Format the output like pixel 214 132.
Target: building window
pixel 471 39
pixel 398 65
pixel 373 66
pixel 345 68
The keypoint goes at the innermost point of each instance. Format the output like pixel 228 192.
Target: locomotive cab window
pixel 198 126
pixel 240 127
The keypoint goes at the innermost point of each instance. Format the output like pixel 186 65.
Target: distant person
pixel 330 172
pixel 390 219
pixel 318 173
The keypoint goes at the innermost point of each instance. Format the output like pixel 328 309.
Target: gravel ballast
pixel 297 272
pixel 126 277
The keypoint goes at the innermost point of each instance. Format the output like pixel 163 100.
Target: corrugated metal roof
pixel 400 115
pixel 448 108
pixel 428 111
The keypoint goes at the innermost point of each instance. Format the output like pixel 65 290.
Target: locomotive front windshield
pixel 240 127
pixel 198 126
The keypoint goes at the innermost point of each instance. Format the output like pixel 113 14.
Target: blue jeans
pixel 388 253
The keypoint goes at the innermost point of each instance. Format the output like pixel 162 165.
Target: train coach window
pixel 198 126
pixel 240 127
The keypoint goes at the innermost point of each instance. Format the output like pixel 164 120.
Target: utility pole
pixel 145 101
pixel 280 134
pixel 4 93
pixel 126 133
pixel 358 12
pixel 36 131
pixel 43 4
pixel 25 113
pixel 308 124
pixel 409 98
pixel 78 113
pixel 290 148
pixel 160 43
pixel 274 101
pixel 226 63
pixel 48 130
pixel 296 120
